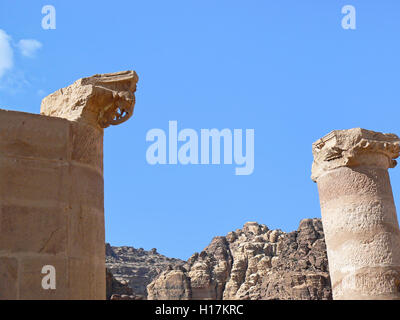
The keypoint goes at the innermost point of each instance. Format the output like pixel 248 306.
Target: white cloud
pixel 14 82
pixel 28 47
pixel 6 53
pixel 41 93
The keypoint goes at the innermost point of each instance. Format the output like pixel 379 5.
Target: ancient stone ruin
pixel 52 193
pixel 358 213
pixel 361 232
pixel 52 215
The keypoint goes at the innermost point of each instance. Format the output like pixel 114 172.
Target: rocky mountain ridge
pixel 250 263
pixel 253 263
pixel 135 269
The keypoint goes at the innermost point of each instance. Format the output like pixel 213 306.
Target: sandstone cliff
pixel 252 263
pixel 131 270
pixel 115 288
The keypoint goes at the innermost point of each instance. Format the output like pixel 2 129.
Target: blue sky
pixel 286 69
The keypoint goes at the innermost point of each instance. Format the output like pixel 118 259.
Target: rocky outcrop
pixel 253 263
pixel 173 284
pixel 115 287
pixel 135 269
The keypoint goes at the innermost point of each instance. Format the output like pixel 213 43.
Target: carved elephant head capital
pixel 101 100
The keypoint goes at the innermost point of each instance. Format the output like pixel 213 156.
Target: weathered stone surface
pixel 30 278
pixel 116 288
pixel 52 189
pixel 33 136
pixel 253 263
pixel 87 145
pixel 19 225
pixel 22 181
pixel 136 267
pixel 173 284
pixel 9 276
pixel 125 297
pixel 358 212
pixel 209 283
pixel 100 100
pixel 353 148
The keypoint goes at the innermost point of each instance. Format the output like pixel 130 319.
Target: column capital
pixel 100 100
pixel 352 148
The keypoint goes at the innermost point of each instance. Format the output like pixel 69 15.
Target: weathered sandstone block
pixel 52 189
pixel 9 278
pixel 172 285
pixel 100 100
pixel 358 212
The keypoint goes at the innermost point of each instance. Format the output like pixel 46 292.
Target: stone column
pixel 358 212
pixel 52 189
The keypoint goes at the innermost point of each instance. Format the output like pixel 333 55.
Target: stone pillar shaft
pixel 52 189
pixel 358 212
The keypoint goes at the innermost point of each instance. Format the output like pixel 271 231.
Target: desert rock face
pixel 173 284
pixel 253 263
pixel 136 268
pixel 115 287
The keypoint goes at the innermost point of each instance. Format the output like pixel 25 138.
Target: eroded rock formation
pixel 252 263
pixel 136 268
pixel 115 287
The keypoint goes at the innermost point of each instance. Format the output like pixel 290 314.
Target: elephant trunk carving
pixel 100 100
